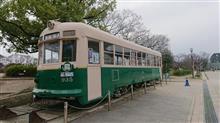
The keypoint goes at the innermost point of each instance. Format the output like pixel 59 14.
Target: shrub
pixel 181 72
pixel 16 70
pixel 1 70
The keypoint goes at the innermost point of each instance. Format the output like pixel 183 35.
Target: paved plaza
pixel 213 83
pixel 167 104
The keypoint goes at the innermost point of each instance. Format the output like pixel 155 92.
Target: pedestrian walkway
pixel 170 103
pixel 213 83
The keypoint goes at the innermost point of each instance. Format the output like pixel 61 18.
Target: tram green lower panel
pixel 50 85
pixel 113 78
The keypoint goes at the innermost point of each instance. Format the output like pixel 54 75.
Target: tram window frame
pixel 118 54
pixel 127 56
pixel 108 53
pixel 72 57
pixel 51 53
pixel 139 58
pixel 93 52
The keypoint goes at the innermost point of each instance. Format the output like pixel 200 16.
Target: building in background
pixel 17 59
pixel 214 63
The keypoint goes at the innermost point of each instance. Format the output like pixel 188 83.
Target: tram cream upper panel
pixel 85 30
pixel 82 33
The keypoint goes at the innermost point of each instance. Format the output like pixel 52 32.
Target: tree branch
pixel 18 26
pixel 93 16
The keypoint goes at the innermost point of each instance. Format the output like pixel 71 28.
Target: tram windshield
pixel 51 52
pixel 69 50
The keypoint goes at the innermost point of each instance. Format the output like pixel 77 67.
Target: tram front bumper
pixel 56 93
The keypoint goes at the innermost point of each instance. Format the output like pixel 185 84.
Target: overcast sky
pixel 188 24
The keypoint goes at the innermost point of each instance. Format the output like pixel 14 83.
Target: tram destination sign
pixel 66 72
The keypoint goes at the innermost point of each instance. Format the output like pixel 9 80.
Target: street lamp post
pixel 191 51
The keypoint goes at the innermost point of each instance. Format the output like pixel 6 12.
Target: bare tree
pixel 177 63
pixel 156 42
pixel 128 25
pixel 184 61
pixel 201 61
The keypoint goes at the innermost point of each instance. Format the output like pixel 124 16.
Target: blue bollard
pixel 187 82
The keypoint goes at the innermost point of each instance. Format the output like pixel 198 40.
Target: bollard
pixel 187 82
pixel 145 87
pixel 109 100
pixel 161 82
pixel 65 111
pixel 132 91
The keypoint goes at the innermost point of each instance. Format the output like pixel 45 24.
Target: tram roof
pixel 97 34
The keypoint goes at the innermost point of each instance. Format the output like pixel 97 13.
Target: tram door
pixel 94 70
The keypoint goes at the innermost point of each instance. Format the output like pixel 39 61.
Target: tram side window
pixel 155 61
pixel 152 60
pixel 148 59
pixel 158 61
pixel 143 59
pixel 93 52
pixel 40 54
pixel 51 52
pixel 118 55
pixel 139 59
pixel 108 53
pixel 69 50
pixel 126 56
pixel 133 58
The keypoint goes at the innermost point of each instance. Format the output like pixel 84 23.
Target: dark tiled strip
pixel 210 114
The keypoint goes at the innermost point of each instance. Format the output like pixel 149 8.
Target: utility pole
pixel 191 51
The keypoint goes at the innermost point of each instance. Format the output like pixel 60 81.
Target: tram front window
pixel 51 52
pixel 69 50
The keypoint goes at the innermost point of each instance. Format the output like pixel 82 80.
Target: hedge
pixel 16 70
pixel 1 70
pixel 181 72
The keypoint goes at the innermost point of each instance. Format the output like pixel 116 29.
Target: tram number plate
pixel 66 74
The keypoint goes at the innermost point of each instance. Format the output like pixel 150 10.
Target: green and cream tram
pixel 82 62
